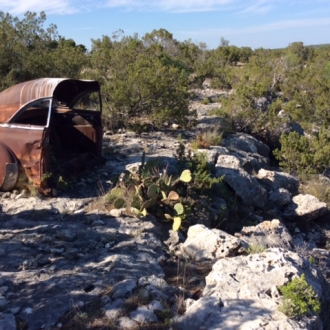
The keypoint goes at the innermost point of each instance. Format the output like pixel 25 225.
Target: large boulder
pixel 245 185
pixel 279 198
pixel 273 180
pixel 304 207
pixel 241 293
pixel 246 143
pixel 203 244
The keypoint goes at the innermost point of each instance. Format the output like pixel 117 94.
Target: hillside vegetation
pixel 151 76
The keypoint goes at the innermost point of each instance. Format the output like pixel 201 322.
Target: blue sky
pixel 260 23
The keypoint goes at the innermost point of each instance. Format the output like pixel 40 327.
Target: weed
pixel 206 101
pixel 299 298
pixel 197 163
pixel 311 260
pixel 207 138
pixel 255 248
pixel 164 316
pixel 32 189
pixel 318 188
pixel 131 304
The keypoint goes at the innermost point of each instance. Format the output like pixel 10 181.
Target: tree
pixel 140 79
pixel 28 50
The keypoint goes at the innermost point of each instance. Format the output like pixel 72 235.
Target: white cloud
pixel 49 6
pixel 258 7
pixel 242 7
pixel 71 6
pixel 236 6
pixel 170 5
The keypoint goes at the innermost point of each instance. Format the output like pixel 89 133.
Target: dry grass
pixel 207 138
pixel 319 188
pixel 90 316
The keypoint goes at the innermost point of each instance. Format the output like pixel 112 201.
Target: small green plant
pixel 255 248
pixel 62 183
pixel 311 260
pixel 33 190
pixel 197 163
pixel 299 298
pixel 206 101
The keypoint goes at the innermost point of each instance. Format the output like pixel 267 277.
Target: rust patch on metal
pixel 49 127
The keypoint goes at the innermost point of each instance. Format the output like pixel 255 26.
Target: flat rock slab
pixel 52 262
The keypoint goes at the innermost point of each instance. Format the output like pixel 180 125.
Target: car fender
pixel 9 169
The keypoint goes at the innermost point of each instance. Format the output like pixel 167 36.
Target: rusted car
pixel 49 128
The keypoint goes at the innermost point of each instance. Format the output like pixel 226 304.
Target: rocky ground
pixel 68 262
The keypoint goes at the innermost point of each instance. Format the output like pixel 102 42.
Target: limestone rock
pixel 247 143
pixel 204 244
pixel 126 323
pixel 280 198
pixel 213 153
pixel 241 293
pixel 143 315
pixel 267 234
pixel 304 207
pixel 7 322
pixel 123 288
pixel 245 185
pixel 114 309
pixel 273 180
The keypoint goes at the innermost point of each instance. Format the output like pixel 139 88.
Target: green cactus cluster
pixel 154 193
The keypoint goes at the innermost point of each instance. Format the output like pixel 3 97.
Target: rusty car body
pixel 49 127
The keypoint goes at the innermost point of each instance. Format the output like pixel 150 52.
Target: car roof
pixel 63 89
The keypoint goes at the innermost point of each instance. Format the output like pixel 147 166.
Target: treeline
pixel 150 77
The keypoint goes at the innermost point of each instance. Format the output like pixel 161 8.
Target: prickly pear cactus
pixel 178 207
pixel 176 223
pixel 185 176
pixel 153 190
pixel 119 203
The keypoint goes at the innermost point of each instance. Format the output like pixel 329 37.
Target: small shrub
pixel 206 139
pixel 304 155
pixel 255 248
pixel 299 298
pixel 311 260
pixel 32 189
pixel 318 188
pixel 206 101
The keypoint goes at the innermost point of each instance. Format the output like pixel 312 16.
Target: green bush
pixel 140 80
pixel 304 155
pixel 299 298
pixel 206 101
